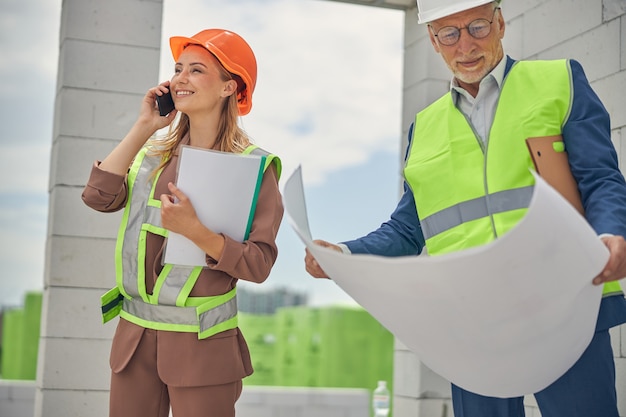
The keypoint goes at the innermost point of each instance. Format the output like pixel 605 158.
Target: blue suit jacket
pixel 594 165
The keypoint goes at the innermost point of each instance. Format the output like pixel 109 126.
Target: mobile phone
pixel 165 103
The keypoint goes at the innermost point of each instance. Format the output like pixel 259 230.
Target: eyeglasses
pixel 478 29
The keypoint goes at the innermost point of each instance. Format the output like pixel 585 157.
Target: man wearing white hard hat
pixel 468 182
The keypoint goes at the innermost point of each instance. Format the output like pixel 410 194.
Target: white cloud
pixel 29 33
pixel 23 218
pixel 27 167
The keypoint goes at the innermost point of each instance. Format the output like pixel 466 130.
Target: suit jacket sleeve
pixel 593 159
pixel 401 235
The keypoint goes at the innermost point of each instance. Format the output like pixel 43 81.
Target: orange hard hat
pixel 234 54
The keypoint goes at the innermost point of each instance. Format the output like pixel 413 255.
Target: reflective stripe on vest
pixel 215 315
pixel 469 193
pixel 477 208
pixel 169 307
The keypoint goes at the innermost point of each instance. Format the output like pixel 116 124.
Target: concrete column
pixel 418 391
pixel 109 56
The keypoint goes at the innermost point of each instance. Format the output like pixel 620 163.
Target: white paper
pixel 221 186
pixel 504 320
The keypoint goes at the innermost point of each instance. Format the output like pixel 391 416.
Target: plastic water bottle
pixel 381 399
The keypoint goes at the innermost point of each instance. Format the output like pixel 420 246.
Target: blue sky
pixel 328 98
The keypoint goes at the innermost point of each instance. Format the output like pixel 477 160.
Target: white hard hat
pixel 429 10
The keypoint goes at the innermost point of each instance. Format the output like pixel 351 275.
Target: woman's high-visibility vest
pixel 468 192
pixel 169 307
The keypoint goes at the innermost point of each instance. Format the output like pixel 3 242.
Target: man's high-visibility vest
pixel 468 192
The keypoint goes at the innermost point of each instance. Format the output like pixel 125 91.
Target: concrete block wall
pixel 108 57
pixel 303 402
pixel 17 398
pixel 590 31
pixel 418 391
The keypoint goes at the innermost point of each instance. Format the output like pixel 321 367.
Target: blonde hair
pixel 230 136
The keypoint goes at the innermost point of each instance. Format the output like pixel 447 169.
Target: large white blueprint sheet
pixel 505 319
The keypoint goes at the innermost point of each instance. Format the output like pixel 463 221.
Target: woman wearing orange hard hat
pixel 177 344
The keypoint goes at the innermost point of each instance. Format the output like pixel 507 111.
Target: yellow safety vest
pixel 469 193
pixel 169 307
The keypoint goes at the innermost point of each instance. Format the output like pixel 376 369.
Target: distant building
pixel 266 302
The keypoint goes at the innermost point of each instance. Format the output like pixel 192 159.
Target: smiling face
pixel 471 59
pixel 200 84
